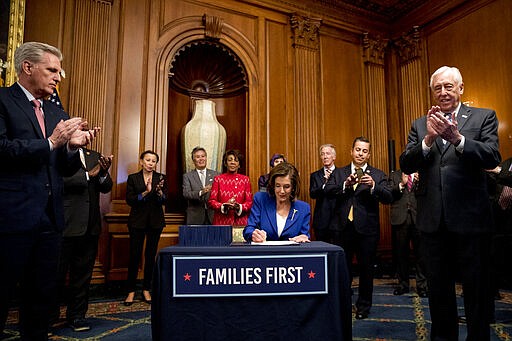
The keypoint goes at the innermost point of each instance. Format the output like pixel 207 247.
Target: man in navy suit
pixel 323 186
pixel 38 145
pixel 196 192
pixel 450 148
pixel 357 225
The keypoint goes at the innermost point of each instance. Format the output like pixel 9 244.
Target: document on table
pixel 276 242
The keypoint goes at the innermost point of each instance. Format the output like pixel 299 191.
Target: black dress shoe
pixel 79 325
pixel 361 316
pixel 400 291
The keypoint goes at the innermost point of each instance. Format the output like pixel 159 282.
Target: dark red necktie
pixel 39 115
pixel 409 183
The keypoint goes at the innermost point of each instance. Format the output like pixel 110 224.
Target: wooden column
pixel 88 92
pixel 375 121
pixel 414 88
pixel 374 118
pixel 88 86
pixel 306 97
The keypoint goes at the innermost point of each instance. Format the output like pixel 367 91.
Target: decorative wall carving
pixel 212 26
pixel 374 49
pixel 409 45
pixel 207 69
pixel 305 32
pixel 307 94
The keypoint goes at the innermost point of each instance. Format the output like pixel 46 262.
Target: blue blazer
pixel 263 216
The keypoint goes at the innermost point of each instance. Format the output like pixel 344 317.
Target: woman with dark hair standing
pixel 231 195
pixel 276 214
pixel 145 193
pixel 274 161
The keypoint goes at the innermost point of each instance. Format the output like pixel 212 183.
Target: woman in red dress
pixel 231 195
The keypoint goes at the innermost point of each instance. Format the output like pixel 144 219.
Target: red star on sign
pixel 187 277
pixel 311 274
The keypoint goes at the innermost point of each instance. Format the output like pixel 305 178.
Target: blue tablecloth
pixel 293 318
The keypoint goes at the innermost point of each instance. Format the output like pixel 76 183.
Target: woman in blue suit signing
pixel 276 214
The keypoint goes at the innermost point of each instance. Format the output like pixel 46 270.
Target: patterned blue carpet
pixel 407 317
pixel 397 318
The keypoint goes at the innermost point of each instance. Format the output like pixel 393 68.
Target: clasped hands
pixel 231 205
pixel 439 125
pixel 353 179
pixel 75 132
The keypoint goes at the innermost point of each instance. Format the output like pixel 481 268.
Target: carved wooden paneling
pixel 413 81
pixel 413 93
pixel 88 89
pixel 306 92
pixel 376 118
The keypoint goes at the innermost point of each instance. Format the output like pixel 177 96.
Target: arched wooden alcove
pixel 204 69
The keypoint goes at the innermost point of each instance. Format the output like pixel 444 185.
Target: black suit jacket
pixel 82 199
pixel 403 201
pixel 452 186
pixel 325 196
pixel 502 218
pixel 148 212
pixel 30 173
pixel 364 201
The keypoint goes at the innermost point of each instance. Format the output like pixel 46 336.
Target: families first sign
pixel 260 275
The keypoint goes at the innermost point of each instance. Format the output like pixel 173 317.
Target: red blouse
pixel 226 186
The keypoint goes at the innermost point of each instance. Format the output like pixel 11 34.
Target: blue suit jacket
pixel 263 216
pixel 30 174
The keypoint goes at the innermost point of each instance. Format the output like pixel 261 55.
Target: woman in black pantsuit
pixel 145 193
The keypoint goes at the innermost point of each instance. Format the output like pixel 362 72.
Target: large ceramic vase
pixel 205 131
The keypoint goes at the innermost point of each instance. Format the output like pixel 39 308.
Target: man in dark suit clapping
pixel 356 224
pixel 38 146
pixel 450 147
pixel 323 186
pixel 83 227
